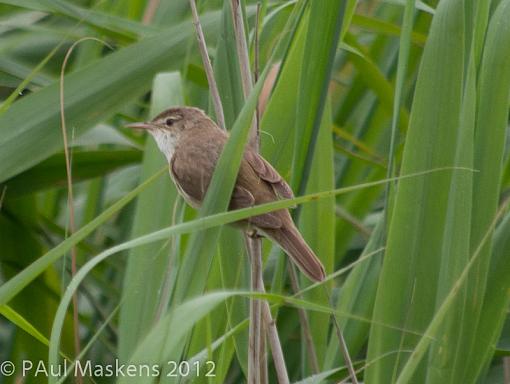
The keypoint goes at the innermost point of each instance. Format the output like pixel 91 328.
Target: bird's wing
pixel 243 198
pixel 267 173
pixel 190 179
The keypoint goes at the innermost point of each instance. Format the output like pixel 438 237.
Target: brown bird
pixel 192 144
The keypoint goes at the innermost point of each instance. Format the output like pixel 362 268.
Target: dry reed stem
pixel 253 247
pixel 264 325
pixel 213 88
pixel 150 11
pixel 257 361
pixel 267 87
pixel 257 264
pixel 70 198
pixel 345 351
pixel 274 342
pixel 256 65
pixel 255 329
pixel 303 316
pixel 362 229
pixel 244 63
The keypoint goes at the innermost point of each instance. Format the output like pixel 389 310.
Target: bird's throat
pixel 166 142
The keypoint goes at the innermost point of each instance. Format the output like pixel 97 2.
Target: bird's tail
pixel 291 241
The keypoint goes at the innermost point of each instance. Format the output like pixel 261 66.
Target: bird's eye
pixel 169 121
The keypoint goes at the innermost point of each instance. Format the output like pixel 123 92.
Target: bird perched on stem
pixel 192 144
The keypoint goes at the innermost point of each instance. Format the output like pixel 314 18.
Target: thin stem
pixel 305 323
pixel 70 198
pixel 506 367
pixel 356 224
pixel 256 62
pixel 70 204
pixel 150 11
pixel 343 344
pixel 264 375
pixel 257 353
pixel 242 48
pixel 244 63
pixel 215 94
pixel 255 250
pixel 274 343
pixel 254 345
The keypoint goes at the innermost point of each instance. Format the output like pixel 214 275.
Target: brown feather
pixel 266 172
pixel 291 241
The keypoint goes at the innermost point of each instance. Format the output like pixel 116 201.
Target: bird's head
pixel 168 127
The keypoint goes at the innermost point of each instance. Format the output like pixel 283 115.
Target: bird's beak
pixel 140 125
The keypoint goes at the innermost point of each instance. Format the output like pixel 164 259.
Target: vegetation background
pixel 363 92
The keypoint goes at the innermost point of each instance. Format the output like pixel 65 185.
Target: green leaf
pixel 22 323
pixel 357 296
pixel 381 26
pixel 92 94
pixel 86 165
pixel 12 287
pixel 111 24
pixel 496 301
pixel 324 27
pixel 317 225
pixel 196 225
pixel 142 303
pixel 168 335
pixel 408 282
pixel 490 135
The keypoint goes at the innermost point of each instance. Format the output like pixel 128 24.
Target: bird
pixel 192 144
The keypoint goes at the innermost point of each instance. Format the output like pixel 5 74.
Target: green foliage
pixel 349 92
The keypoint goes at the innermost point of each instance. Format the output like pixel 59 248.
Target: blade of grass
pixel 317 225
pixel 408 280
pixel 22 323
pixel 496 301
pixel 12 287
pixel 17 283
pixel 86 165
pixel 382 26
pixel 447 360
pixel 21 86
pixel 93 93
pixel 321 41
pixel 491 125
pixel 375 79
pixel 195 225
pixel 325 25
pixel 357 296
pixel 107 23
pixel 431 331
pixel 153 211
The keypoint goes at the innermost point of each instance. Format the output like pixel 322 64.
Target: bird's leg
pixel 253 233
